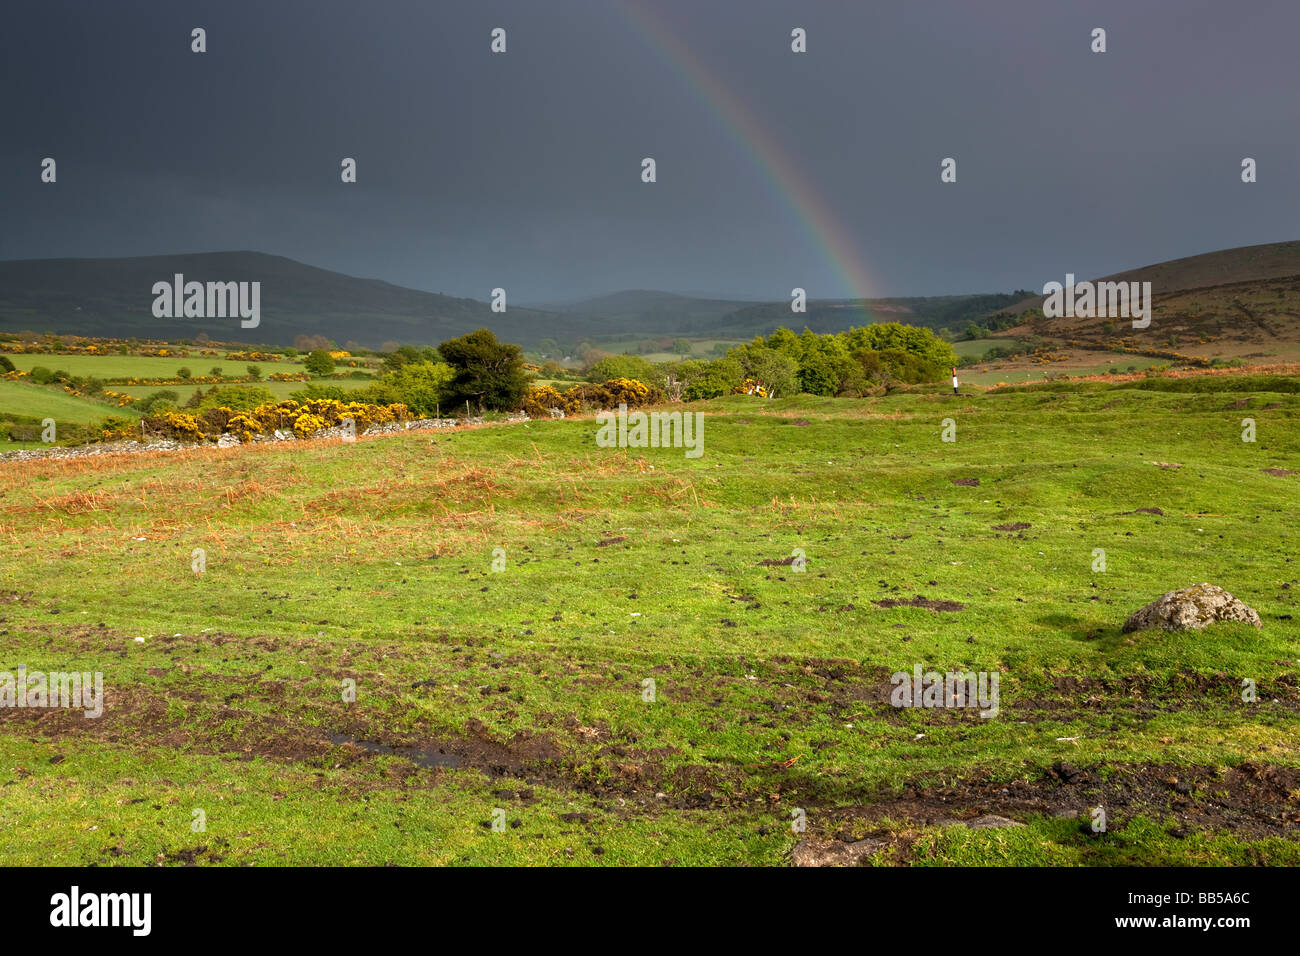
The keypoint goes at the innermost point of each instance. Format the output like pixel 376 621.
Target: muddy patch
pixel 922 601
pixel 428 757
pixel 140 719
pixel 1279 472
pixel 191 856
pixel 1252 799
pixel 1013 526
pixel 967 482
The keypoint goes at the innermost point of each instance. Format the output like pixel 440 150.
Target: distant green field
pixel 560 384
pixel 620 654
pixel 136 366
pixel 977 347
pixel 1033 372
pixel 278 389
pixel 50 401
pixel 25 402
pixel 700 348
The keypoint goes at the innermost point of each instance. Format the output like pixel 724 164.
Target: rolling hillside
pixel 1270 260
pixel 1237 303
pixel 113 297
pixel 650 312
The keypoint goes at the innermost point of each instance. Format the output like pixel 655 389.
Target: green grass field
pixel 1025 372
pixel 51 401
pixel 278 389
pixel 112 366
pixel 519 695
pixel 26 402
pixel 700 349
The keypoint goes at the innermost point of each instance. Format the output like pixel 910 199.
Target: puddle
pixel 428 757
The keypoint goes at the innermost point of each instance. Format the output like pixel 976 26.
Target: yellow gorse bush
pixel 308 424
pixel 303 420
pixel 630 392
pixel 182 426
pixel 587 396
pixel 541 399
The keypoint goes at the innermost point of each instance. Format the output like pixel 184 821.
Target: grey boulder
pixel 1191 608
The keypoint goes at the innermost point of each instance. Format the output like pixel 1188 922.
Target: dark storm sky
pixel 522 170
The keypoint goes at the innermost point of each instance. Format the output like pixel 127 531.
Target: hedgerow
pixel 303 419
pixel 590 396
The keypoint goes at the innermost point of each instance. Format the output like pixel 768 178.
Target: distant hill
pixel 1241 303
pixel 932 312
pixel 113 297
pixel 1272 260
pixel 650 313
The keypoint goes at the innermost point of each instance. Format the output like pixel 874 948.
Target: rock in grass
pixel 814 852
pixel 1191 608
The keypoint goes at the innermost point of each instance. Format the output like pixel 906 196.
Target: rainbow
pixel 770 158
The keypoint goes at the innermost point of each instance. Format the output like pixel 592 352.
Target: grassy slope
pixel 1257 263
pixel 278 389
pixel 144 366
pixel 24 400
pixel 40 401
pixel 371 562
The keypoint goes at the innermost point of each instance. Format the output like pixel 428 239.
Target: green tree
pixel 159 401
pixel 909 338
pixel 406 354
pixel 422 386
pixel 255 373
pixel 184 374
pixel 824 363
pixel 701 380
pixel 783 340
pixel 487 372
pixel 319 363
pixel 777 371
